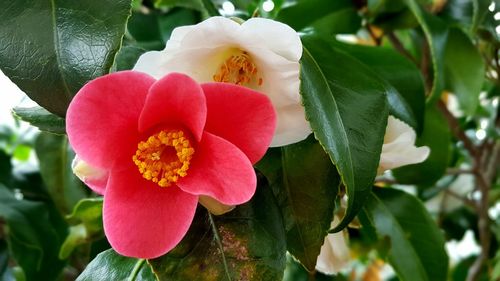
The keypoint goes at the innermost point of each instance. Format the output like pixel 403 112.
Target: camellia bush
pixel 251 140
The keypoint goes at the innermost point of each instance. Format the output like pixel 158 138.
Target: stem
pixel 219 244
pixel 136 269
pixel 396 43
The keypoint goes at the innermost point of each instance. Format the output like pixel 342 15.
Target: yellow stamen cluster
pixel 238 69
pixel 156 164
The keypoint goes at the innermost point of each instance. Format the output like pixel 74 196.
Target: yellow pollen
pixel 238 69
pixel 164 157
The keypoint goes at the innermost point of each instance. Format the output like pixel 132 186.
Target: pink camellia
pixel 164 144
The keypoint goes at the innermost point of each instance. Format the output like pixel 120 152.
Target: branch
pixel 399 47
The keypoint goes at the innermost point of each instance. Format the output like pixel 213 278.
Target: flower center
pixel 238 69
pixel 164 157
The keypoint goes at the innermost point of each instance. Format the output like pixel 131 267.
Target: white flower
pixel 261 54
pixel 334 255
pixel 398 150
pixel 399 146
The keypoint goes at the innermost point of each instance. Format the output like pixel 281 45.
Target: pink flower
pixel 164 144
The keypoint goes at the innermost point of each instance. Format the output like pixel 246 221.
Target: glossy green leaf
pixel 50 49
pixel 330 17
pixel 86 219
pixel 247 243
pixel 41 118
pixel 436 33
pixel 347 109
pixel 306 185
pixel 55 156
pixel 437 137
pixel 109 265
pixel 407 101
pixel 465 70
pixel 417 251
pixel 33 236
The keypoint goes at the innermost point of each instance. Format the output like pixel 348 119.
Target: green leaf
pixel 247 243
pixel 407 101
pixel 33 236
pixel 324 16
pixel 307 212
pixel 347 109
pixel 437 137
pixel 50 49
pixel 86 219
pixel 41 118
pixel 436 32
pixel 465 70
pixel 480 10
pixel 55 156
pixel 127 57
pixel 417 251
pixel 205 6
pixel 89 212
pixel 111 266
pixel 22 152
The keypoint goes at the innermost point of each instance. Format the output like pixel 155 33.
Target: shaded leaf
pixel 41 118
pixel 417 251
pixel 63 44
pixel 465 70
pixel 306 185
pixel 247 243
pixel 55 156
pixel 348 114
pixel 109 265
pixel 324 16
pixel 33 236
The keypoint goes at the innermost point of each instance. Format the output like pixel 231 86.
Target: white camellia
pixel 261 54
pixel 399 146
pixel 398 150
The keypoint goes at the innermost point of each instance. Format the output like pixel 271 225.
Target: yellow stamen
pixel 238 69
pixel 164 157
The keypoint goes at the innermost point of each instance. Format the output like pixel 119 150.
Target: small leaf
pixel 247 243
pixel 436 32
pixel 205 6
pixel 86 219
pixel 306 185
pixel 41 118
pixel 437 137
pixel 50 49
pixel 417 251
pixel 55 156
pixel 465 70
pixel 111 266
pixel 347 109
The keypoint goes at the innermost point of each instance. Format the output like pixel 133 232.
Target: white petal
pixel 278 37
pixel 291 126
pixel 213 206
pixel 94 177
pixel 334 255
pixel 399 147
pixel 151 63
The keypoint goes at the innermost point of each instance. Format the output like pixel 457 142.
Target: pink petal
pixel 101 121
pixel 176 99
pixel 242 116
pixel 220 170
pixel 142 219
